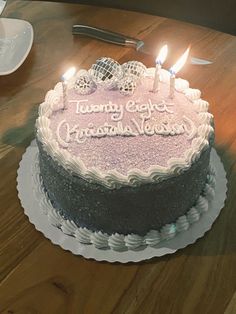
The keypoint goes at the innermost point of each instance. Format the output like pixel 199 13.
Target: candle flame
pixel 180 63
pixel 68 74
pixel 162 55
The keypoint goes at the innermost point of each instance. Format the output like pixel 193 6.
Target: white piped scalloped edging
pixel 30 196
pixel 113 179
pixel 120 242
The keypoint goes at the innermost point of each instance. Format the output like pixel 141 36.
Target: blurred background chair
pixel 217 14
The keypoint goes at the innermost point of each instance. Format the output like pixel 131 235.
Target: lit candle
pixel 174 69
pixel 65 77
pixel 159 61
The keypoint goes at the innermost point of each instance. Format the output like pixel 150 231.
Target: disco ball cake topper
pixel 127 85
pixel 109 74
pixel 84 83
pixel 106 72
pixel 135 69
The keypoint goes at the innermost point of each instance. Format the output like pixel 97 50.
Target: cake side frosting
pixel 121 242
pixel 192 119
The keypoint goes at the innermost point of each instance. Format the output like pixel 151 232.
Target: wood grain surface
pixel 39 277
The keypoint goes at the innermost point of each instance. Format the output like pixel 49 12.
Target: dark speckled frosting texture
pixel 125 210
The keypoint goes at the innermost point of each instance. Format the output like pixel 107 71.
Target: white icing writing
pixel 142 121
pixel 165 128
pixel 143 127
pixel 117 110
pixel 148 108
pixel 80 135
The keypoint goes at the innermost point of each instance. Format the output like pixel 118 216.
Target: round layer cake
pixel 119 159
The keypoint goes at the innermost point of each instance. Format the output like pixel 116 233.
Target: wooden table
pixel 39 277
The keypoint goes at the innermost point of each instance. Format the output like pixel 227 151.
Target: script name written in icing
pixel 67 133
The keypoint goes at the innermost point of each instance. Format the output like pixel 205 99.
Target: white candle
pixel 157 78
pixel 159 61
pixel 65 77
pixel 172 86
pixel 174 69
pixel 64 91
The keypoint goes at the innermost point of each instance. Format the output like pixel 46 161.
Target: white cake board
pixel 30 196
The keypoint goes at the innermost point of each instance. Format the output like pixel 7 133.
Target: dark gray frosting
pixel 127 209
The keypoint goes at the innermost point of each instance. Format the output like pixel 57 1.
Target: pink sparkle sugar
pixel 123 153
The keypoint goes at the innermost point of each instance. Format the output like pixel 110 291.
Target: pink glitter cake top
pixel 110 131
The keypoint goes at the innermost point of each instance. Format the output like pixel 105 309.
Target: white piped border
pixel 119 242
pixel 30 202
pixel 113 179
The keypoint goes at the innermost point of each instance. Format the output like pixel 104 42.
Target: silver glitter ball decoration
pixel 134 68
pixel 127 86
pixel 84 84
pixel 106 72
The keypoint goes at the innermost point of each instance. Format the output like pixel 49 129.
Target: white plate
pixel 16 38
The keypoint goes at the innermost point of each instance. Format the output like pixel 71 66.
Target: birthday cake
pixel 125 167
